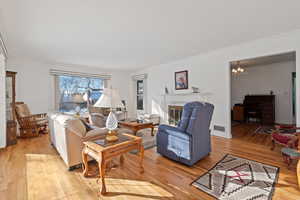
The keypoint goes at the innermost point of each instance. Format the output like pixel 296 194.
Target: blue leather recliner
pixel 190 140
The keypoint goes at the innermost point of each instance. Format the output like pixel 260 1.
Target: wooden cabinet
pixel 10 94
pixel 238 113
pixel 262 105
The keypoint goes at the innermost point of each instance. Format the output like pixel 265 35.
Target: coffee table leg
pixel 102 174
pixel 122 159
pixel 141 158
pixel 85 163
pixel 152 131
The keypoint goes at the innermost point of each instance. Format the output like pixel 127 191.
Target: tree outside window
pixel 89 88
pixel 140 95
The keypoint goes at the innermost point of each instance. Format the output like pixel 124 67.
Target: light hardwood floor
pixel 33 170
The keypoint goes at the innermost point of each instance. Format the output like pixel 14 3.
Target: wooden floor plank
pixel 32 170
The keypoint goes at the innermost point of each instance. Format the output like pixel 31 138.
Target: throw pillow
pixel 88 127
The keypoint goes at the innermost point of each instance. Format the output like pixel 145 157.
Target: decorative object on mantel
pixel 197 96
pixel 237 68
pixel 238 178
pixel 181 80
pixel 195 90
pixel 110 98
pixel 166 90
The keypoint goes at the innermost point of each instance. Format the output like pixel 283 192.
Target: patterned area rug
pixel 264 130
pixel 238 178
pixel 271 129
pixel 149 141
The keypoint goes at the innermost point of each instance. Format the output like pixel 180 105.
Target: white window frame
pixel 136 78
pixel 56 73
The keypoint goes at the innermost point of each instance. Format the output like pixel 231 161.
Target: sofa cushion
pixel 95 132
pixel 97 119
pixel 88 127
pixel 60 118
pixel 76 126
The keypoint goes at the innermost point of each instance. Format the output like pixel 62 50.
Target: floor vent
pixel 219 128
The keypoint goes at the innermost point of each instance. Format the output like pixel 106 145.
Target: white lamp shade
pixel 110 98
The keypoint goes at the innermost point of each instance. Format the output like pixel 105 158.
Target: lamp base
pixel 111 136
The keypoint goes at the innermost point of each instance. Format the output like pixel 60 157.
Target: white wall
pixel 211 73
pixel 35 85
pixel 2 103
pixel 261 80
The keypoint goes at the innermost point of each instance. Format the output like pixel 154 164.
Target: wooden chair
pixel 30 125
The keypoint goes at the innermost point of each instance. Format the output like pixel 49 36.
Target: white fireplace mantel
pixel 182 98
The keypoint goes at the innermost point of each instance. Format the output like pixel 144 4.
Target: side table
pixel 103 152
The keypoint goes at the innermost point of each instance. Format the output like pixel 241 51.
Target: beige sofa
pixel 67 135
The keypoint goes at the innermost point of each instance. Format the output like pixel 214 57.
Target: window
pixel 140 95
pixel 75 93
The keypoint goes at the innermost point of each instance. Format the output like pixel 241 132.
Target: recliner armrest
pixel 165 127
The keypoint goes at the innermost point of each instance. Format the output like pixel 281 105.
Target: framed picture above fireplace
pixel 181 80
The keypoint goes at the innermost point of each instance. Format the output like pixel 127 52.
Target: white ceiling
pixel 132 34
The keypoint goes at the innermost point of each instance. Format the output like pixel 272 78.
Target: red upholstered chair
pixel 284 139
pixel 285 135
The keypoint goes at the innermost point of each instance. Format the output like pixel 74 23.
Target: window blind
pixel 140 77
pixel 56 72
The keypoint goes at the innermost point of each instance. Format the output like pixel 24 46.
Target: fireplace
pixel 174 114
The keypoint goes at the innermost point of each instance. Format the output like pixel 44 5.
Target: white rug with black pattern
pixel 238 178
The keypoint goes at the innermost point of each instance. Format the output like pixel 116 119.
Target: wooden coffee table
pixel 135 126
pixel 103 152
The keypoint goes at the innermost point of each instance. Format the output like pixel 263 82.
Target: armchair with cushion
pixel 154 118
pixel 30 124
pixel 190 140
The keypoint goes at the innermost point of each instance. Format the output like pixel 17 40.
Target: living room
pixel 150 62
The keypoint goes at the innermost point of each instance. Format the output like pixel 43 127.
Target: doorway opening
pixel 263 94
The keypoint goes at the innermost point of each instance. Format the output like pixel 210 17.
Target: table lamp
pixel 78 99
pixel 110 98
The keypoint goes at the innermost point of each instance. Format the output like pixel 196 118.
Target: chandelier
pixel 238 68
